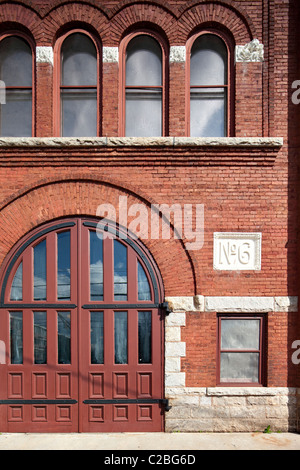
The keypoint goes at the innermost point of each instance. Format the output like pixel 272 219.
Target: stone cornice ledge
pixel 172 151
pixel 261 142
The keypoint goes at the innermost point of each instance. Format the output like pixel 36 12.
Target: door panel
pixel 79 350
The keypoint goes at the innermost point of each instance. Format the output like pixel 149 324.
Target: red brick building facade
pixel 226 346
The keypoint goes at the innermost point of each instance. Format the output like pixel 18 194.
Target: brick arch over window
pixel 21 18
pixel 177 23
pixel 225 15
pixel 67 16
pixel 137 14
pixel 75 198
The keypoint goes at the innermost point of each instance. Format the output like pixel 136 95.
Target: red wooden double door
pixel 81 333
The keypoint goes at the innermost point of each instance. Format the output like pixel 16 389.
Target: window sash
pixel 206 72
pixel 17 114
pixel 233 353
pixel 84 98
pixel 145 123
pixel 147 104
pixel 78 95
pixel 208 111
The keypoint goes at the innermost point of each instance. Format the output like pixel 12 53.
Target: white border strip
pixel 237 304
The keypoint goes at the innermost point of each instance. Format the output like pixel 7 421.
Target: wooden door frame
pixel 11 264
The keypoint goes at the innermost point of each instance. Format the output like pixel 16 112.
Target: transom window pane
pixel 96 267
pixel 16 292
pixel 144 292
pixel 16 74
pixel 63 266
pixel 40 271
pixel 208 81
pixel 144 91
pixel 120 271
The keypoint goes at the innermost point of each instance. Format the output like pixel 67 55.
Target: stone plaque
pixel 237 251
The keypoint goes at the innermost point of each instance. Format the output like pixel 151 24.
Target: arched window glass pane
pixel 16 74
pixel 64 265
pixel 143 88
pixel 143 62
pixel 96 266
pixel 15 62
pixel 208 80
pixel 78 87
pixel 40 271
pixel 79 61
pixel 120 271
pixel 208 61
pixel 144 292
pixel 16 292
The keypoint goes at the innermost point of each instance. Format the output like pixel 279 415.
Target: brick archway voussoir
pixel 82 198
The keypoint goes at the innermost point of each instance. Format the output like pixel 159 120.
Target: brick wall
pixel 243 189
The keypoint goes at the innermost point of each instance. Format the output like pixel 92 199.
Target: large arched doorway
pixel 81 333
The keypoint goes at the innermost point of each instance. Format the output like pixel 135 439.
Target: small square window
pixel 241 350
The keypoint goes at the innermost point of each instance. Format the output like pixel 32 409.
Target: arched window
pixel 78 86
pixel 144 94
pixel 209 94
pixel 16 115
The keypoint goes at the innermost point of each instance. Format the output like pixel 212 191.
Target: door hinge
pixel 165 403
pixel 165 306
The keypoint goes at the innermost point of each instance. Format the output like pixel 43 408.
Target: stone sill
pixel 257 142
pixel 230 391
pixel 250 391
